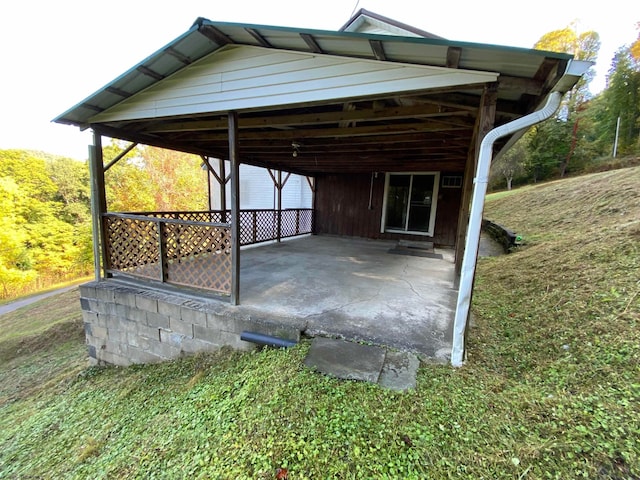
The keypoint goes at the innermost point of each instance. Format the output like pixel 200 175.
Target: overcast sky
pixel 56 53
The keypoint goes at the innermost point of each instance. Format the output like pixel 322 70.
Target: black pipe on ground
pixel 268 340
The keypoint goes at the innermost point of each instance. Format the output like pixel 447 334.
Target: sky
pixel 55 53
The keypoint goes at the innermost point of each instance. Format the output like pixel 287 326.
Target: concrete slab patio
pixel 354 289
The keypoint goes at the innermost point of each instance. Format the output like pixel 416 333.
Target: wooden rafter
pixel 259 38
pixel 176 54
pixel 215 35
pixel 311 43
pixel 346 115
pixel 378 49
pixel 118 91
pixel 334 132
pixel 150 73
pixel 453 57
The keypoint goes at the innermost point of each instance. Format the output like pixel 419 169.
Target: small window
pixel 409 204
pixel 452 181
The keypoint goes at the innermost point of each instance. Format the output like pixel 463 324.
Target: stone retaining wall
pixel 125 324
pixel 505 237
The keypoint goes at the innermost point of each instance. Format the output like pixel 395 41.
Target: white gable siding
pixel 243 77
pixel 374 26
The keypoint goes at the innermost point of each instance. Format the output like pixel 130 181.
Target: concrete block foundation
pixel 126 324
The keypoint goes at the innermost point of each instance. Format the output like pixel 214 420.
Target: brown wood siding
pixel 342 208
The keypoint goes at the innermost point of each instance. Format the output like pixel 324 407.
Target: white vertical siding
pixel 257 190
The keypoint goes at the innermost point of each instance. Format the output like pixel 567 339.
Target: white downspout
pixel 475 217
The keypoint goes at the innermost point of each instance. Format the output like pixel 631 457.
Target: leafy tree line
pixel 587 130
pixel 45 213
pixel 45 220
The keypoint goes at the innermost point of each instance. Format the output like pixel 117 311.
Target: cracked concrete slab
pixel 346 360
pixel 353 289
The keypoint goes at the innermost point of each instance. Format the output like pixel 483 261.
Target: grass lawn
pixel 551 388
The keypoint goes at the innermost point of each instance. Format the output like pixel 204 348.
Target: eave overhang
pixel 372 132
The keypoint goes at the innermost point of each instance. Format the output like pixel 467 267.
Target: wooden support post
pixel 279 204
pixel 484 123
pixel 223 189
pixel 255 226
pixel 162 250
pixel 312 185
pixel 98 206
pixel 234 157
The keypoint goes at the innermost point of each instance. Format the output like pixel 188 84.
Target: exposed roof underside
pixel 421 129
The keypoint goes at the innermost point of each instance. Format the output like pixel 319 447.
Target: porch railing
pixel 256 225
pixel 191 249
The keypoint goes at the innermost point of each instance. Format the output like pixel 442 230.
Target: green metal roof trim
pixel 205 37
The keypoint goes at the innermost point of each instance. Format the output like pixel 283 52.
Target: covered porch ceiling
pixel 409 129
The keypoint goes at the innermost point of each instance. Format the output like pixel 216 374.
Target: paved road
pixel 10 307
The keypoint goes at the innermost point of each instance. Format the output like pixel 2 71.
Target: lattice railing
pixel 256 226
pixel 182 252
pixel 214 216
pixel 191 248
pixel 262 225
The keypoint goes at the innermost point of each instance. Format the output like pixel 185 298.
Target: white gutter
pixel 475 217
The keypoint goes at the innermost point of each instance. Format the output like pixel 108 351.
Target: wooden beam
pixel 336 132
pixel 312 183
pixel 120 156
pixel 378 49
pixel 311 43
pixel 273 178
pixel 150 73
pixel 205 160
pixel 522 85
pixel 215 35
pixel 259 38
pixel 90 106
pixel 223 189
pixel 234 157
pixel 428 110
pixel 279 222
pixel 118 91
pixel 180 56
pixel 453 57
pixel 98 206
pixel 485 122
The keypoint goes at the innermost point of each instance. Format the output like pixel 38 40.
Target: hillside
pixel 550 390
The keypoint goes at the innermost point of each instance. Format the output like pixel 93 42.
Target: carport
pixel 387 130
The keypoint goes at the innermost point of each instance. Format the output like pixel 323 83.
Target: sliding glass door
pixel 410 203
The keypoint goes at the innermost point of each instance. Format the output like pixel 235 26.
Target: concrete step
pixel 354 361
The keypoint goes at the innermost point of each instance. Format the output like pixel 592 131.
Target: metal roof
pixel 525 78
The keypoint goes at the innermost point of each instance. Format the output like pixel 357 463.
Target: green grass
pixel 551 388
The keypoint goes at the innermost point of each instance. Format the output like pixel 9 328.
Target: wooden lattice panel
pixel 295 222
pixel 258 226
pixel 213 216
pixel 132 246
pixel 198 256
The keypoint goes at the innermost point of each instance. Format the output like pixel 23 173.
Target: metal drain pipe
pixel 268 340
pixel 475 217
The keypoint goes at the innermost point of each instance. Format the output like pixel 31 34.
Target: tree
pixel 635 46
pixel 622 97
pixel 15 263
pixel 548 145
pixel 553 144
pixel 584 46
pixel 154 179
pixel 45 220
pixel 511 164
